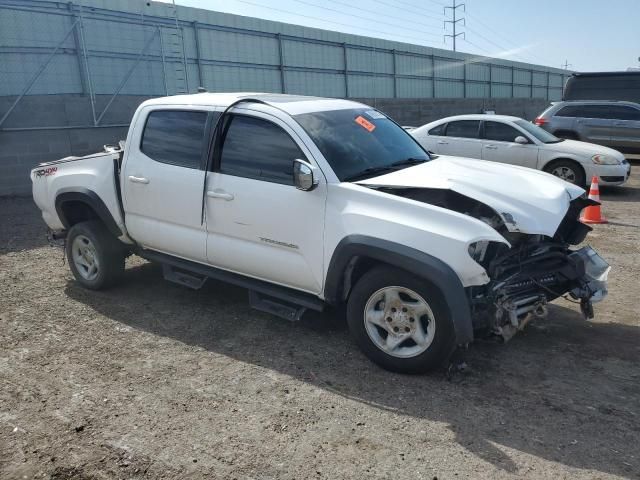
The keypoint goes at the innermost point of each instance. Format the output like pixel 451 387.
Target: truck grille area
pixel 523 280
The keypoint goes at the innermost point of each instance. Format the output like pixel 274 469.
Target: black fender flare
pixel 414 261
pixel 92 200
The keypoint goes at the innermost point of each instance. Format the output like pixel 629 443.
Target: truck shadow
pixel 564 390
pixel 21 227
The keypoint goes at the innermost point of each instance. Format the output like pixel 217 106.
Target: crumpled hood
pixel 527 200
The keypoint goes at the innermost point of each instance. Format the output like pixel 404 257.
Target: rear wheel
pixel 400 321
pixel 95 256
pixel 568 171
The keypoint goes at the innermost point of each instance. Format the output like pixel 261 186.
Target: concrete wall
pixel 61 131
pixel 60 116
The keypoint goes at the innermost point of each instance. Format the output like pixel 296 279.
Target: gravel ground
pixel 152 380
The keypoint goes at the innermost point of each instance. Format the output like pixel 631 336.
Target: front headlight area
pixel 478 250
pixel 602 159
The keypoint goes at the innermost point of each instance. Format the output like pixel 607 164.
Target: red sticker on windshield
pixel 364 123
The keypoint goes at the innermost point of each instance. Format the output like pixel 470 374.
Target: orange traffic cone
pixel 593 214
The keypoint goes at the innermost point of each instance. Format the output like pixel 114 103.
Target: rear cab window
pixel 176 137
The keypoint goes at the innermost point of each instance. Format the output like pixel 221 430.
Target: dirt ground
pixel 152 380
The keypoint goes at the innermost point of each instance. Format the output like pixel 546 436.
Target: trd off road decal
pixel 46 172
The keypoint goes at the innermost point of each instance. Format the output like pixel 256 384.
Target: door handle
pixel 491 147
pixel 220 194
pixel 138 179
pixel 620 124
pixel 442 142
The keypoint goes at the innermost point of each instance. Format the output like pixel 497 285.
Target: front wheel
pixel 401 322
pixel 95 256
pixel 568 171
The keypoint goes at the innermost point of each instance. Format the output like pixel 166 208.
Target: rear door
pixel 593 122
pixel 163 178
pixel 462 139
pixel 498 145
pixel 625 133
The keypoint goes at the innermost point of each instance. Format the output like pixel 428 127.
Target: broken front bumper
pixel 524 281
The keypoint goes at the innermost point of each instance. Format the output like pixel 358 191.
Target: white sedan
pixel 512 140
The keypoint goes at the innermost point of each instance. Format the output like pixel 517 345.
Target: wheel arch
pixel 355 254
pixel 548 165
pixel 81 204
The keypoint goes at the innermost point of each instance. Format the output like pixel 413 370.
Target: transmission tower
pixel 454 10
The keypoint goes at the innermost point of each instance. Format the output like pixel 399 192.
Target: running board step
pixel 187 279
pixel 276 307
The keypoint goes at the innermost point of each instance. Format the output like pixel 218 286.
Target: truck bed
pixel 97 173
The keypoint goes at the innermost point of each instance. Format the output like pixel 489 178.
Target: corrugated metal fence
pixel 123 47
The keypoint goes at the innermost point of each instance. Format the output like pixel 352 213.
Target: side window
pixel 615 112
pixel 175 137
pixel 500 132
pixel 256 148
pixel 620 112
pixel 438 131
pixel 463 129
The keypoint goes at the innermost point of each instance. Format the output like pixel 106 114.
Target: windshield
pixel 361 142
pixel 537 132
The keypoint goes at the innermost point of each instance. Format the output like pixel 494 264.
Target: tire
pixel 375 310
pixel 568 170
pixel 88 245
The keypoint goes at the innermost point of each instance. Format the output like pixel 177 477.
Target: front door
pixel 499 145
pixel 162 182
pixel 258 223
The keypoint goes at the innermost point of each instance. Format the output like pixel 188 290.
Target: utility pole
pixel 454 9
pixel 566 65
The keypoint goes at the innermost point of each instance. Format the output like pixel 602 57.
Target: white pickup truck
pixel 309 201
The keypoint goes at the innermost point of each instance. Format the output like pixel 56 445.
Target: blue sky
pixel 589 34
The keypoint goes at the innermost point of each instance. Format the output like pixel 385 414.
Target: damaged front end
pixel 534 271
pixel 528 276
pixel 529 273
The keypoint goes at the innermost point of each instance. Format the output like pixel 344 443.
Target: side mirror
pixel 305 175
pixel 521 140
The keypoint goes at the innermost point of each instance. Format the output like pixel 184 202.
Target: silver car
pixel 615 124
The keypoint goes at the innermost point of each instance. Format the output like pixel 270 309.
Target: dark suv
pixel 615 124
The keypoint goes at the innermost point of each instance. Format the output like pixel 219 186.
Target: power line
pixel 477 46
pixel 414 6
pixel 328 21
pixel 385 15
pixel 413 12
pixel 422 32
pixel 454 10
pixel 503 38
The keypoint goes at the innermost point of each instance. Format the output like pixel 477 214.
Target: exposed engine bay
pixel 532 272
